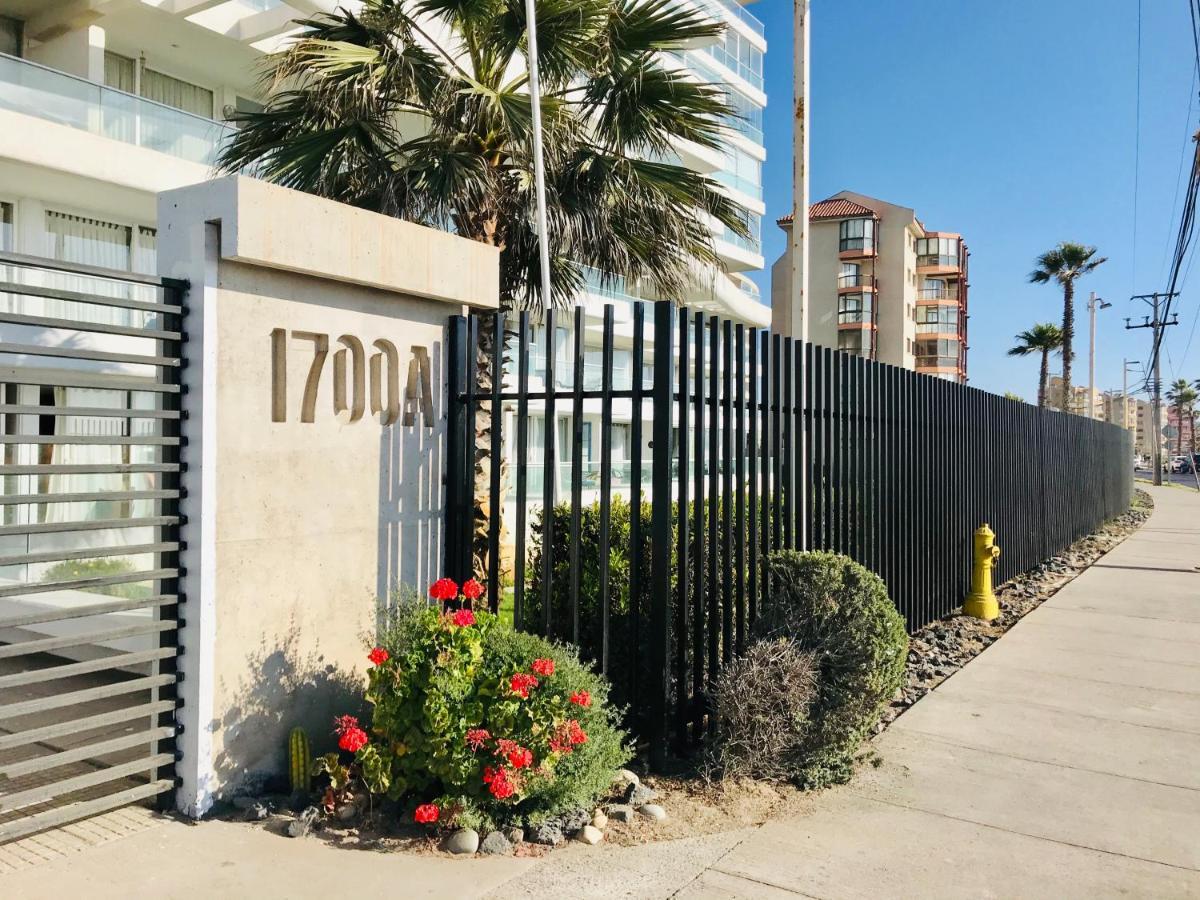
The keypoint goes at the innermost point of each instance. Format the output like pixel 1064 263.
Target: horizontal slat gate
pixel 90 411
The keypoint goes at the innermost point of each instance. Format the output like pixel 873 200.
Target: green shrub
pixel 762 702
pixel 489 725
pixel 628 659
pixel 840 612
pixel 75 569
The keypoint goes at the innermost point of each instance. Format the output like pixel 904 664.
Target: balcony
pixel 35 90
pixel 742 185
pixel 950 292
pixel 933 263
pixel 849 284
pixel 857 248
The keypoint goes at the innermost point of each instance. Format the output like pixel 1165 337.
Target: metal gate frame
pixel 137 709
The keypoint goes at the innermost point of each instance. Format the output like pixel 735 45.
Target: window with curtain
pixel 145 250
pixel 177 93
pixel 120 72
pixel 92 242
pixel 6 226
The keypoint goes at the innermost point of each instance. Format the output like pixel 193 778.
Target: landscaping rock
pixel 625 777
pixel 621 813
pixel 589 834
pixel 464 842
pixel 572 821
pixel 515 835
pixel 257 812
pixel 639 795
pixel 653 811
pixel 599 819
pixel 548 833
pixel 245 802
pixel 496 844
pixel 304 823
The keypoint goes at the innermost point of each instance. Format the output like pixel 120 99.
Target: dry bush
pixel 762 704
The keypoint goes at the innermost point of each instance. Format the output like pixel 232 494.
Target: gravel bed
pixel 944 646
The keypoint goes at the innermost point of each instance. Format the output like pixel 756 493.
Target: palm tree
pixel 373 110
pixel 1182 395
pixel 1044 338
pixel 1064 264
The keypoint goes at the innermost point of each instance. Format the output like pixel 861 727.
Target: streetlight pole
pixel 539 167
pixel 798 311
pixel 1094 302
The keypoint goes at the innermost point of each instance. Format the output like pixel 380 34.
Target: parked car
pixel 1177 463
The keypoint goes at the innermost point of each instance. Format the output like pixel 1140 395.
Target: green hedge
pixel 840 612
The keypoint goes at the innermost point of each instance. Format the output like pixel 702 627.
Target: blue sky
pixel 1010 121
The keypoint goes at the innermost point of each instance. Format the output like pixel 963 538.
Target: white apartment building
pixel 105 103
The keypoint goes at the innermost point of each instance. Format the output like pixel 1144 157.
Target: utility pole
pixel 798 308
pixel 1094 303
pixel 1157 324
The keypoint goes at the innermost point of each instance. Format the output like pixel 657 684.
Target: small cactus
pixel 299 761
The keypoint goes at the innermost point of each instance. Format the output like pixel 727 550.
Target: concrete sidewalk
pixel 1063 762
pixel 1060 763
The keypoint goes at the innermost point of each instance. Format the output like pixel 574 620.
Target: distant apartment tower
pixel 881 286
pixel 1078 401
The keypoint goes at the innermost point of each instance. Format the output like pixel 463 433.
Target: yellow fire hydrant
pixel 981 602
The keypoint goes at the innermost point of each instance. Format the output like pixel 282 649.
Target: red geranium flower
pixel 472 589
pixel 378 656
pixel 353 740
pixel 498 782
pixel 443 589
pixel 342 724
pixel 476 737
pixel 426 813
pixel 518 757
pixel 521 683
pixel 575 734
pixel 581 698
pixel 543 667
pixel 463 618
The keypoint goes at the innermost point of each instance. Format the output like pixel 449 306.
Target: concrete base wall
pixel 298 518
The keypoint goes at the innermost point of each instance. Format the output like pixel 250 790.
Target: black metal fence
pixel 733 442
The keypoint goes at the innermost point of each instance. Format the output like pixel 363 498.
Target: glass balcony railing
pixel 938 260
pixel 939 293
pixel 738 183
pixel 613 286
pixel 733 9
pixel 35 90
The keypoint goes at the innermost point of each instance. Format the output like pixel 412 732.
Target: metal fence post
pixel 660 527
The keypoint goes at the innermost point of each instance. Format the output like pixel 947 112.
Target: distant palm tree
pixel 1064 264
pixel 1183 396
pixel 1045 338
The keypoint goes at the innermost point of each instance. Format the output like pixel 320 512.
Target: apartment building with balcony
pixel 105 103
pixel 1082 402
pixel 881 285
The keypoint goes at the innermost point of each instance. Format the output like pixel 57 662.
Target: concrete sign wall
pixel 314 452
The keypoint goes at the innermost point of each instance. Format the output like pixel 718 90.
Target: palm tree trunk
pixel 483 457
pixel 1044 379
pixel 1068 333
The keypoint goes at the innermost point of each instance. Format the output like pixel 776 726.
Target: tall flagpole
pixel 539 167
